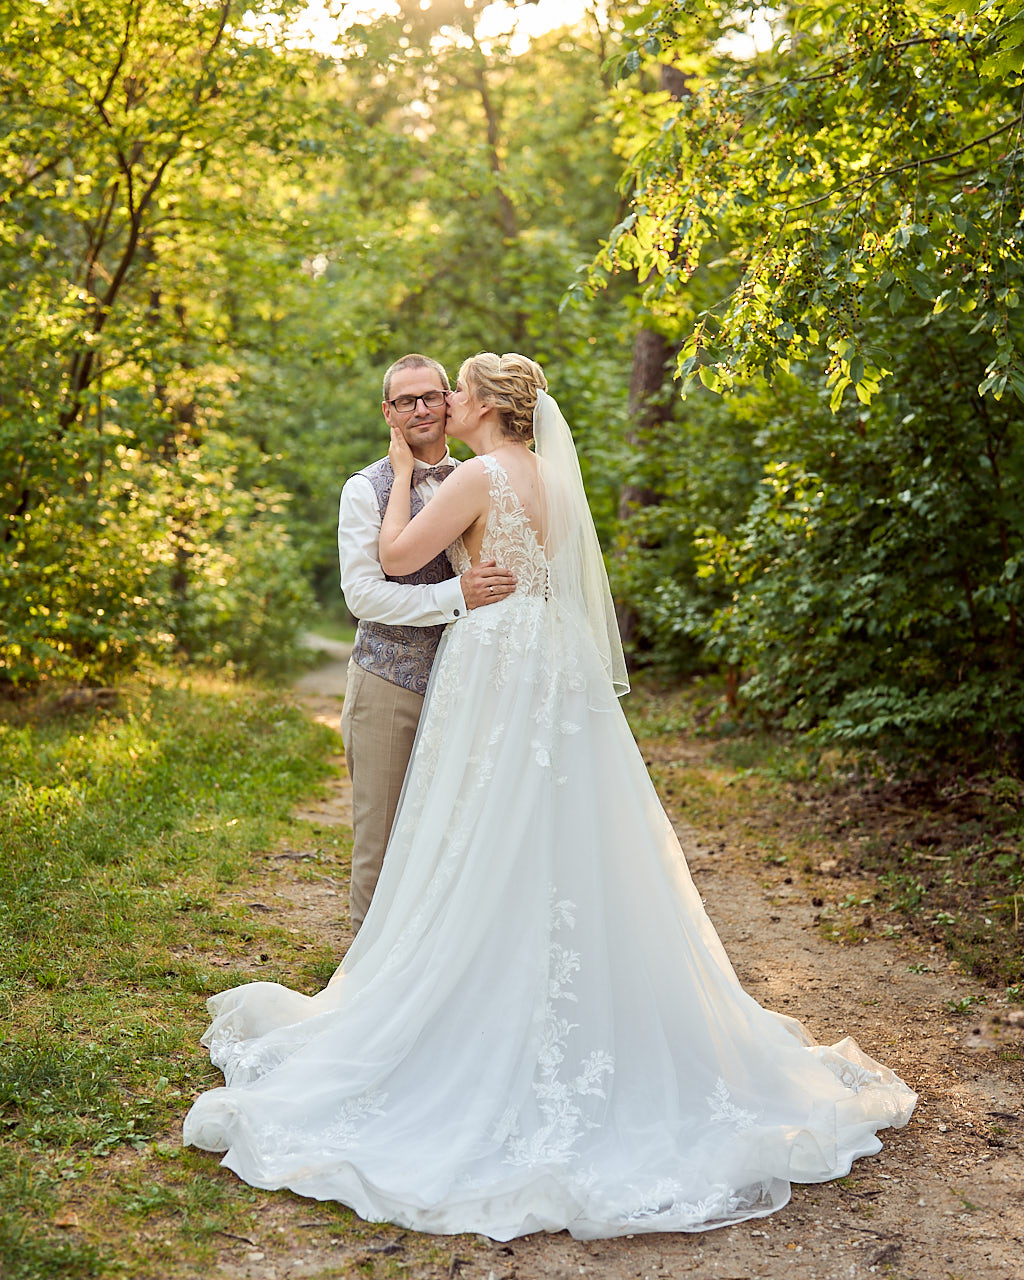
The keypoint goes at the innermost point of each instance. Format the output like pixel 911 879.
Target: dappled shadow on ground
pixel 948 852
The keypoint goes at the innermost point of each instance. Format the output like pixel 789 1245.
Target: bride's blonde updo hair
pixel 510 383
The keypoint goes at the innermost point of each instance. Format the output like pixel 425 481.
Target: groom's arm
pixel 370 595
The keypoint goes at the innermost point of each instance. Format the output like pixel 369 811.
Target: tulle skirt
pixel 537 1027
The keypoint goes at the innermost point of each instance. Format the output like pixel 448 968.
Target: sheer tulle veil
pixel 578 580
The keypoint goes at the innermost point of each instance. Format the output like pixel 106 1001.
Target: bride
pixel 537 1027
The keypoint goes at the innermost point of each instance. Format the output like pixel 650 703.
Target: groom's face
pixel 423 428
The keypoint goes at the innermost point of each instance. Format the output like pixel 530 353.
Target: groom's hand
pixel 485 583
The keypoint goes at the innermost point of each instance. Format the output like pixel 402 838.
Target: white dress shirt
pixel 368 593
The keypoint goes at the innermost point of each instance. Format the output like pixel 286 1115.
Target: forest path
pixel 944 1200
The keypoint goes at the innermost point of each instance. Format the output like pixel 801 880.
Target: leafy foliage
pixel 211 243
pixel 871 157
pixel 123 530
pixel 832 232
pixel 496 179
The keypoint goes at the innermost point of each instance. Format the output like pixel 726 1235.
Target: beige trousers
pixel 378 726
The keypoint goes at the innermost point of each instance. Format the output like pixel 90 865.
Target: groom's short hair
pixel 414 361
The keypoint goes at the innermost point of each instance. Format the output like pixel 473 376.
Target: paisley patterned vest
pixel 402 655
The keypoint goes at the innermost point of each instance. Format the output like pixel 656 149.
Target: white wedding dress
pixel 537 1027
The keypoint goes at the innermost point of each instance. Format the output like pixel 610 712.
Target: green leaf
pixel 922 284
pixel 836 398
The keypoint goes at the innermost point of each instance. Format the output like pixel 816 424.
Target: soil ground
pixel 944 1200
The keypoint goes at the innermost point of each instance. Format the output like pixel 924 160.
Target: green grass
pixel 333 621
pixel 121 830
pixel 344 632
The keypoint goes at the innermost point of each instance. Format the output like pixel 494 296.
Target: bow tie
pixel 432 473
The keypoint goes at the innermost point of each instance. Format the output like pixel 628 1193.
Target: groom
pixel 400 618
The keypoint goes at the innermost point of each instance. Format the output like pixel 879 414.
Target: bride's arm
pixel 407 545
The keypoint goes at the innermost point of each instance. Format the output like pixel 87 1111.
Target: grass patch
pixel 124 830
pixel 333 621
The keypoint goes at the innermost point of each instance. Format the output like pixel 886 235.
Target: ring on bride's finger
pixel 491 590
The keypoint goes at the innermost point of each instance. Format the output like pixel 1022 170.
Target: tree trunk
pixel 651 354
pixel 648 406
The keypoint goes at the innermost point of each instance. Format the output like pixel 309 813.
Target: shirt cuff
pixel 450 599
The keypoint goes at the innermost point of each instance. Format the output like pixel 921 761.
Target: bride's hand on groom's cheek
pixel 399 454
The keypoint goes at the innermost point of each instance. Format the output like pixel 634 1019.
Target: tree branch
pixel 901 168
pixel 122 54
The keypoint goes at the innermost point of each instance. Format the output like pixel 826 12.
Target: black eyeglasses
pixel 431 400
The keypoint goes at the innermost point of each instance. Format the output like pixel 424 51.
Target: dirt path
pixel 944 1200
pixel 321 693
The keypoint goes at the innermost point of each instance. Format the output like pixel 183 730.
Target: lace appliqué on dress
pixel 666 1199
pixel 511 541
pixel 559 1101
pixel 512 626
pixel 352 1115
pixel 725 1111
pixel 244 1060
pixel 849 1074
pixel 338 1135
pixel 509 537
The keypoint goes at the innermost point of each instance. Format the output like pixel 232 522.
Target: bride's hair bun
pixel 510 383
